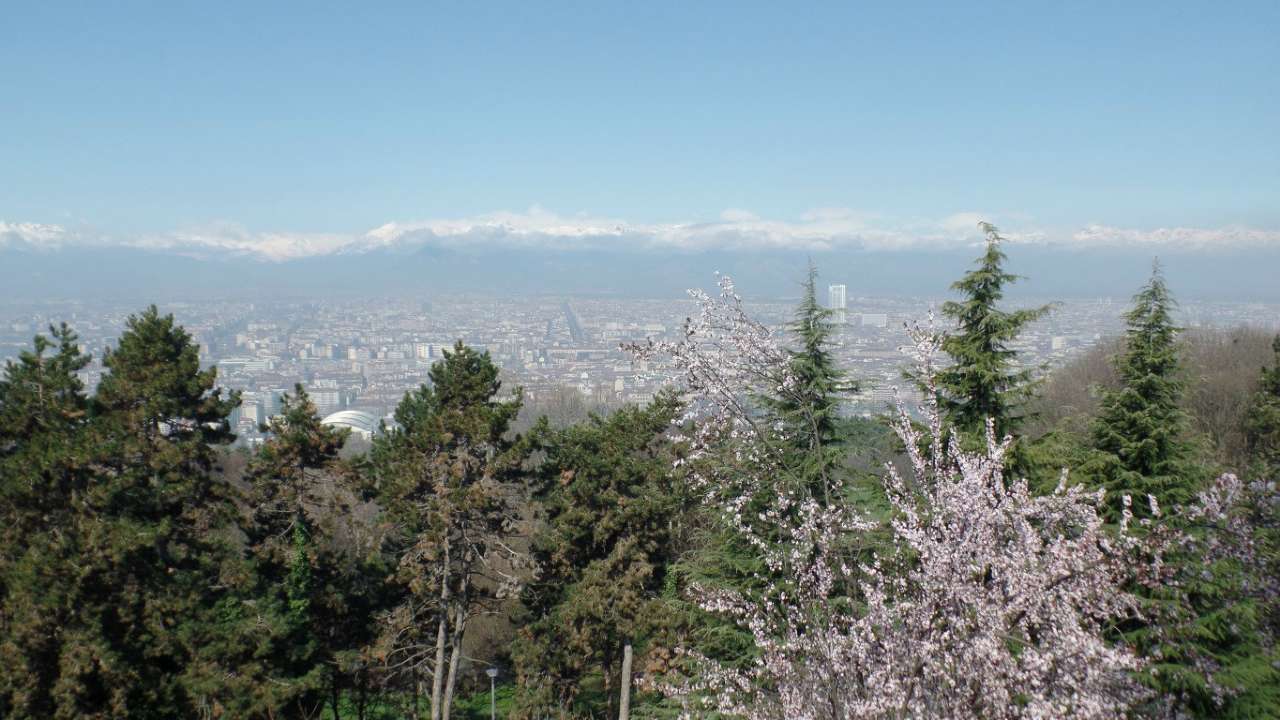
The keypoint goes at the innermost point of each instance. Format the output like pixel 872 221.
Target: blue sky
pixel 275 120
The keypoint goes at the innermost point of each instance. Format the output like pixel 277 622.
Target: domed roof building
pixel 358 421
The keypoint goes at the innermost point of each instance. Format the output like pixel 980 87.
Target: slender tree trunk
pixel 455 658
pixel 624 705
pixel 437 683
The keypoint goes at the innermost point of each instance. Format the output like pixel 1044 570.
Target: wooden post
pixel 624 707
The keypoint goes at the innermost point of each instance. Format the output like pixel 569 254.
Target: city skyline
pixel 357 358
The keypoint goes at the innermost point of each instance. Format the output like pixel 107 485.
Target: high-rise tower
pixel 837 304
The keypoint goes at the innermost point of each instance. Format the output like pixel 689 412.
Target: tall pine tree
pixel 611 514
pixel 444 476
pixel 1262 426
pixel 1262 429
pixel 808 410
pixel 42 408
pixel 154 531
pixel 112 597
pixel 1140 430
pixel 984 381
pixel 307 590
pixel 1200 631
pixel 43 480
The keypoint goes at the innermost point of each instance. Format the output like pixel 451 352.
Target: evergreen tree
pixel 1262 429
pixel 314 590
pixel 983 382
pixel 1140 430
pixel 153 528
pixel 42 408
pixel 1208 627
pixel 808 409
pixel 43 479
pixel 1262 426
pixel 611 512
pixel 42 393
pixel 1201 627
pixel 444 477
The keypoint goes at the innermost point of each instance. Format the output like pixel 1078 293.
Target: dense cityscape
pixel 357 358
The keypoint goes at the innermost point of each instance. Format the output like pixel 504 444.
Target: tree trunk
pixel 624 705
pixel 437 683
pixel 334 693
pixel 455 658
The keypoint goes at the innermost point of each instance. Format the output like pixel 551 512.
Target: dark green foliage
pixel 449 435
pixel 1201 632
pixel 129 570
pixel 1207 635
pixel 315 591
pixel 154 539
pixel 43 480
pixel 156 389
pixel 41 395
pixel 1221 369
pixel 445 476
pixel 612 518
pixel 808 413
pixel 1262 430
pixel 1262 426
pixel 1140 431
pixel 984 382
pixel 42 408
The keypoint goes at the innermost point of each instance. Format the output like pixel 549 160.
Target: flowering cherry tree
pixel 994 605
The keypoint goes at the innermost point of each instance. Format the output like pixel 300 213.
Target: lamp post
pixel 493 698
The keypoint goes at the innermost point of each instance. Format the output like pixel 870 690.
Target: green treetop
pixel 156 387
pixel 285 475
pixel 1141 427
pixel 443 476
pixel 808 411
pixel 301 585
pixel 42 407
pixel 156 548
pixel 126 576
pixel 1209 632
pixel 43 479
pixel 611 512
pixel 983 381
pixel 42 392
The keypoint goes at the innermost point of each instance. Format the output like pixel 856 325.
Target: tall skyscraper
pixel 837 303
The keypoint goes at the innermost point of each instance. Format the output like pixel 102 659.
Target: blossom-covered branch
pixel 1001 609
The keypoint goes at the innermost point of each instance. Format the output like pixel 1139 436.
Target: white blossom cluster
pixel 726 358
pixel 995 604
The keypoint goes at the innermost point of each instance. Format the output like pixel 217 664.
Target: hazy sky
pixel 284 130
